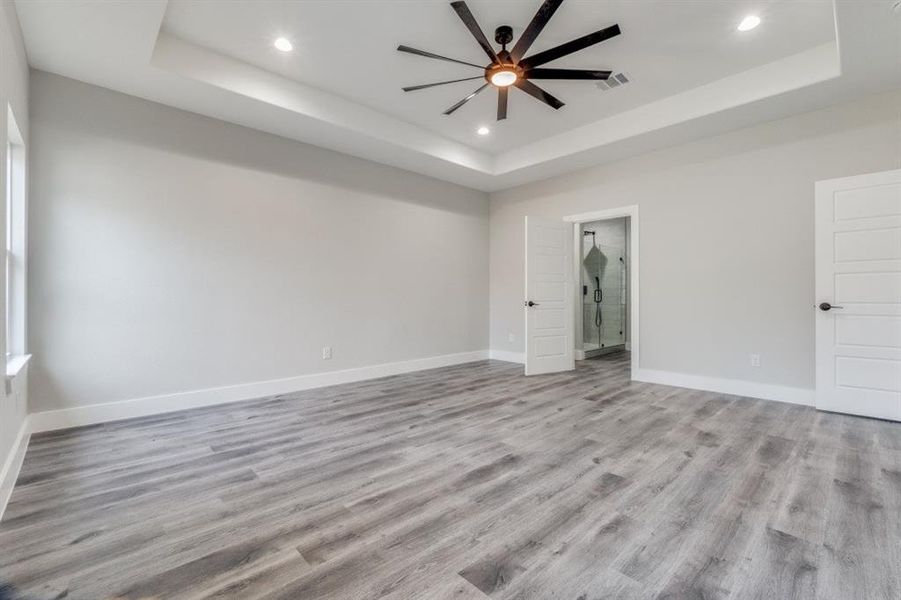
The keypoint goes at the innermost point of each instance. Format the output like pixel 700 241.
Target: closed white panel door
pixel 548 303
pixel 858 284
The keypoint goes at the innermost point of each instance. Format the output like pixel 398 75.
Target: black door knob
pixel 826 306
pixel 530 303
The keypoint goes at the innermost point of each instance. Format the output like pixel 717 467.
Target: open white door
pixel 548 302
pixel 858 286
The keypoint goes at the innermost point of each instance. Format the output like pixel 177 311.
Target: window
pixel 9 253
pixel 15 240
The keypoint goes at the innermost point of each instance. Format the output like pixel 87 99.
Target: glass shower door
pixel 612 322
pixel 603 296
pixel 593 265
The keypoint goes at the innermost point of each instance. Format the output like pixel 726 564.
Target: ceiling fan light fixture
pixel 749 23
pixel 504 78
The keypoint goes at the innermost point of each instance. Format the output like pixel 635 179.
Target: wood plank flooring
pixel 467 482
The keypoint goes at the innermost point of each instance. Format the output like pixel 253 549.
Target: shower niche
pixel 604 287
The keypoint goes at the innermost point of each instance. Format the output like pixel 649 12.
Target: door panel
pixel 868 373
pixel 550 318
pixel 868 330
pixel 858 270
pixel 879 200
pixel 549 324
pixel 868 245
pixel 868 288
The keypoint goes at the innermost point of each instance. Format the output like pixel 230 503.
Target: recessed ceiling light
pixel 749 23
pixel 284 44
pixel 483 130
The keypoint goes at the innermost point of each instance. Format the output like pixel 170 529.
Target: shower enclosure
pixel 604 286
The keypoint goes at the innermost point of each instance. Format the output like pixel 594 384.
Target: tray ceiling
pixel 691 72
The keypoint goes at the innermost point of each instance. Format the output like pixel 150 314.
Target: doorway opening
pixel 605 271
pixel 604 290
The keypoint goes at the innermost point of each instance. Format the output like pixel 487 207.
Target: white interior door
pixel 548 302
pixel 858 285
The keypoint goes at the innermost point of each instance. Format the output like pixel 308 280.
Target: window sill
pixel 15 364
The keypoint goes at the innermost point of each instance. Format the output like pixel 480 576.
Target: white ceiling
pixel 349 49
pixel 692 73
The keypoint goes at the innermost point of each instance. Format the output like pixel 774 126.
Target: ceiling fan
pixel 513 68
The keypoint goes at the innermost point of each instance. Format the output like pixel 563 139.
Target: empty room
pixel 433 300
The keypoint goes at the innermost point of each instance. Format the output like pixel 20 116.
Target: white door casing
pixel 858 272
pixel 549 321
pixel 630 212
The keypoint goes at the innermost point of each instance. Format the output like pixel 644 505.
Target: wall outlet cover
pixel 755 360
pixel 326 352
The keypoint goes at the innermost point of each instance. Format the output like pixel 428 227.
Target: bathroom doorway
pixel 605 263
pixel 604 291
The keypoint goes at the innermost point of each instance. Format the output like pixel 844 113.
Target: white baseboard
pixel 505 355
pixel 734 387
pixel 141 407
pixel 13 463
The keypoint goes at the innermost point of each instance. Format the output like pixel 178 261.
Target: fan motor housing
pixel 503 35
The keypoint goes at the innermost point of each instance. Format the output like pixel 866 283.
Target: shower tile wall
pixel 610 238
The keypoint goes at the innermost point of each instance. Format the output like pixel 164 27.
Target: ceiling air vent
pixel 614 81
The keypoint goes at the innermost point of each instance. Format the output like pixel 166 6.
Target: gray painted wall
pixel 726 233
pixel 172 252
pixel 14 94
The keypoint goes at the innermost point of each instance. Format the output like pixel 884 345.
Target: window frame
pixel 15 241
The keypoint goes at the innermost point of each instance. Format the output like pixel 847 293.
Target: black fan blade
pixel 413 88
pixel 474 29
pixel 531 32
pixel 464 100
pixel 502 103
pixel 438 56
pixel 569 47
pixel 565 74
pixel 536 92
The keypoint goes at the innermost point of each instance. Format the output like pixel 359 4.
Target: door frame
pixel 630 211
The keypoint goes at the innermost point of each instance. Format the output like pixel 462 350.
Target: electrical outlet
pixel 755 360
pixel 511 337
pixel 326 352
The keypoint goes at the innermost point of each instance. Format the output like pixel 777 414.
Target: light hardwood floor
pixel 466 482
